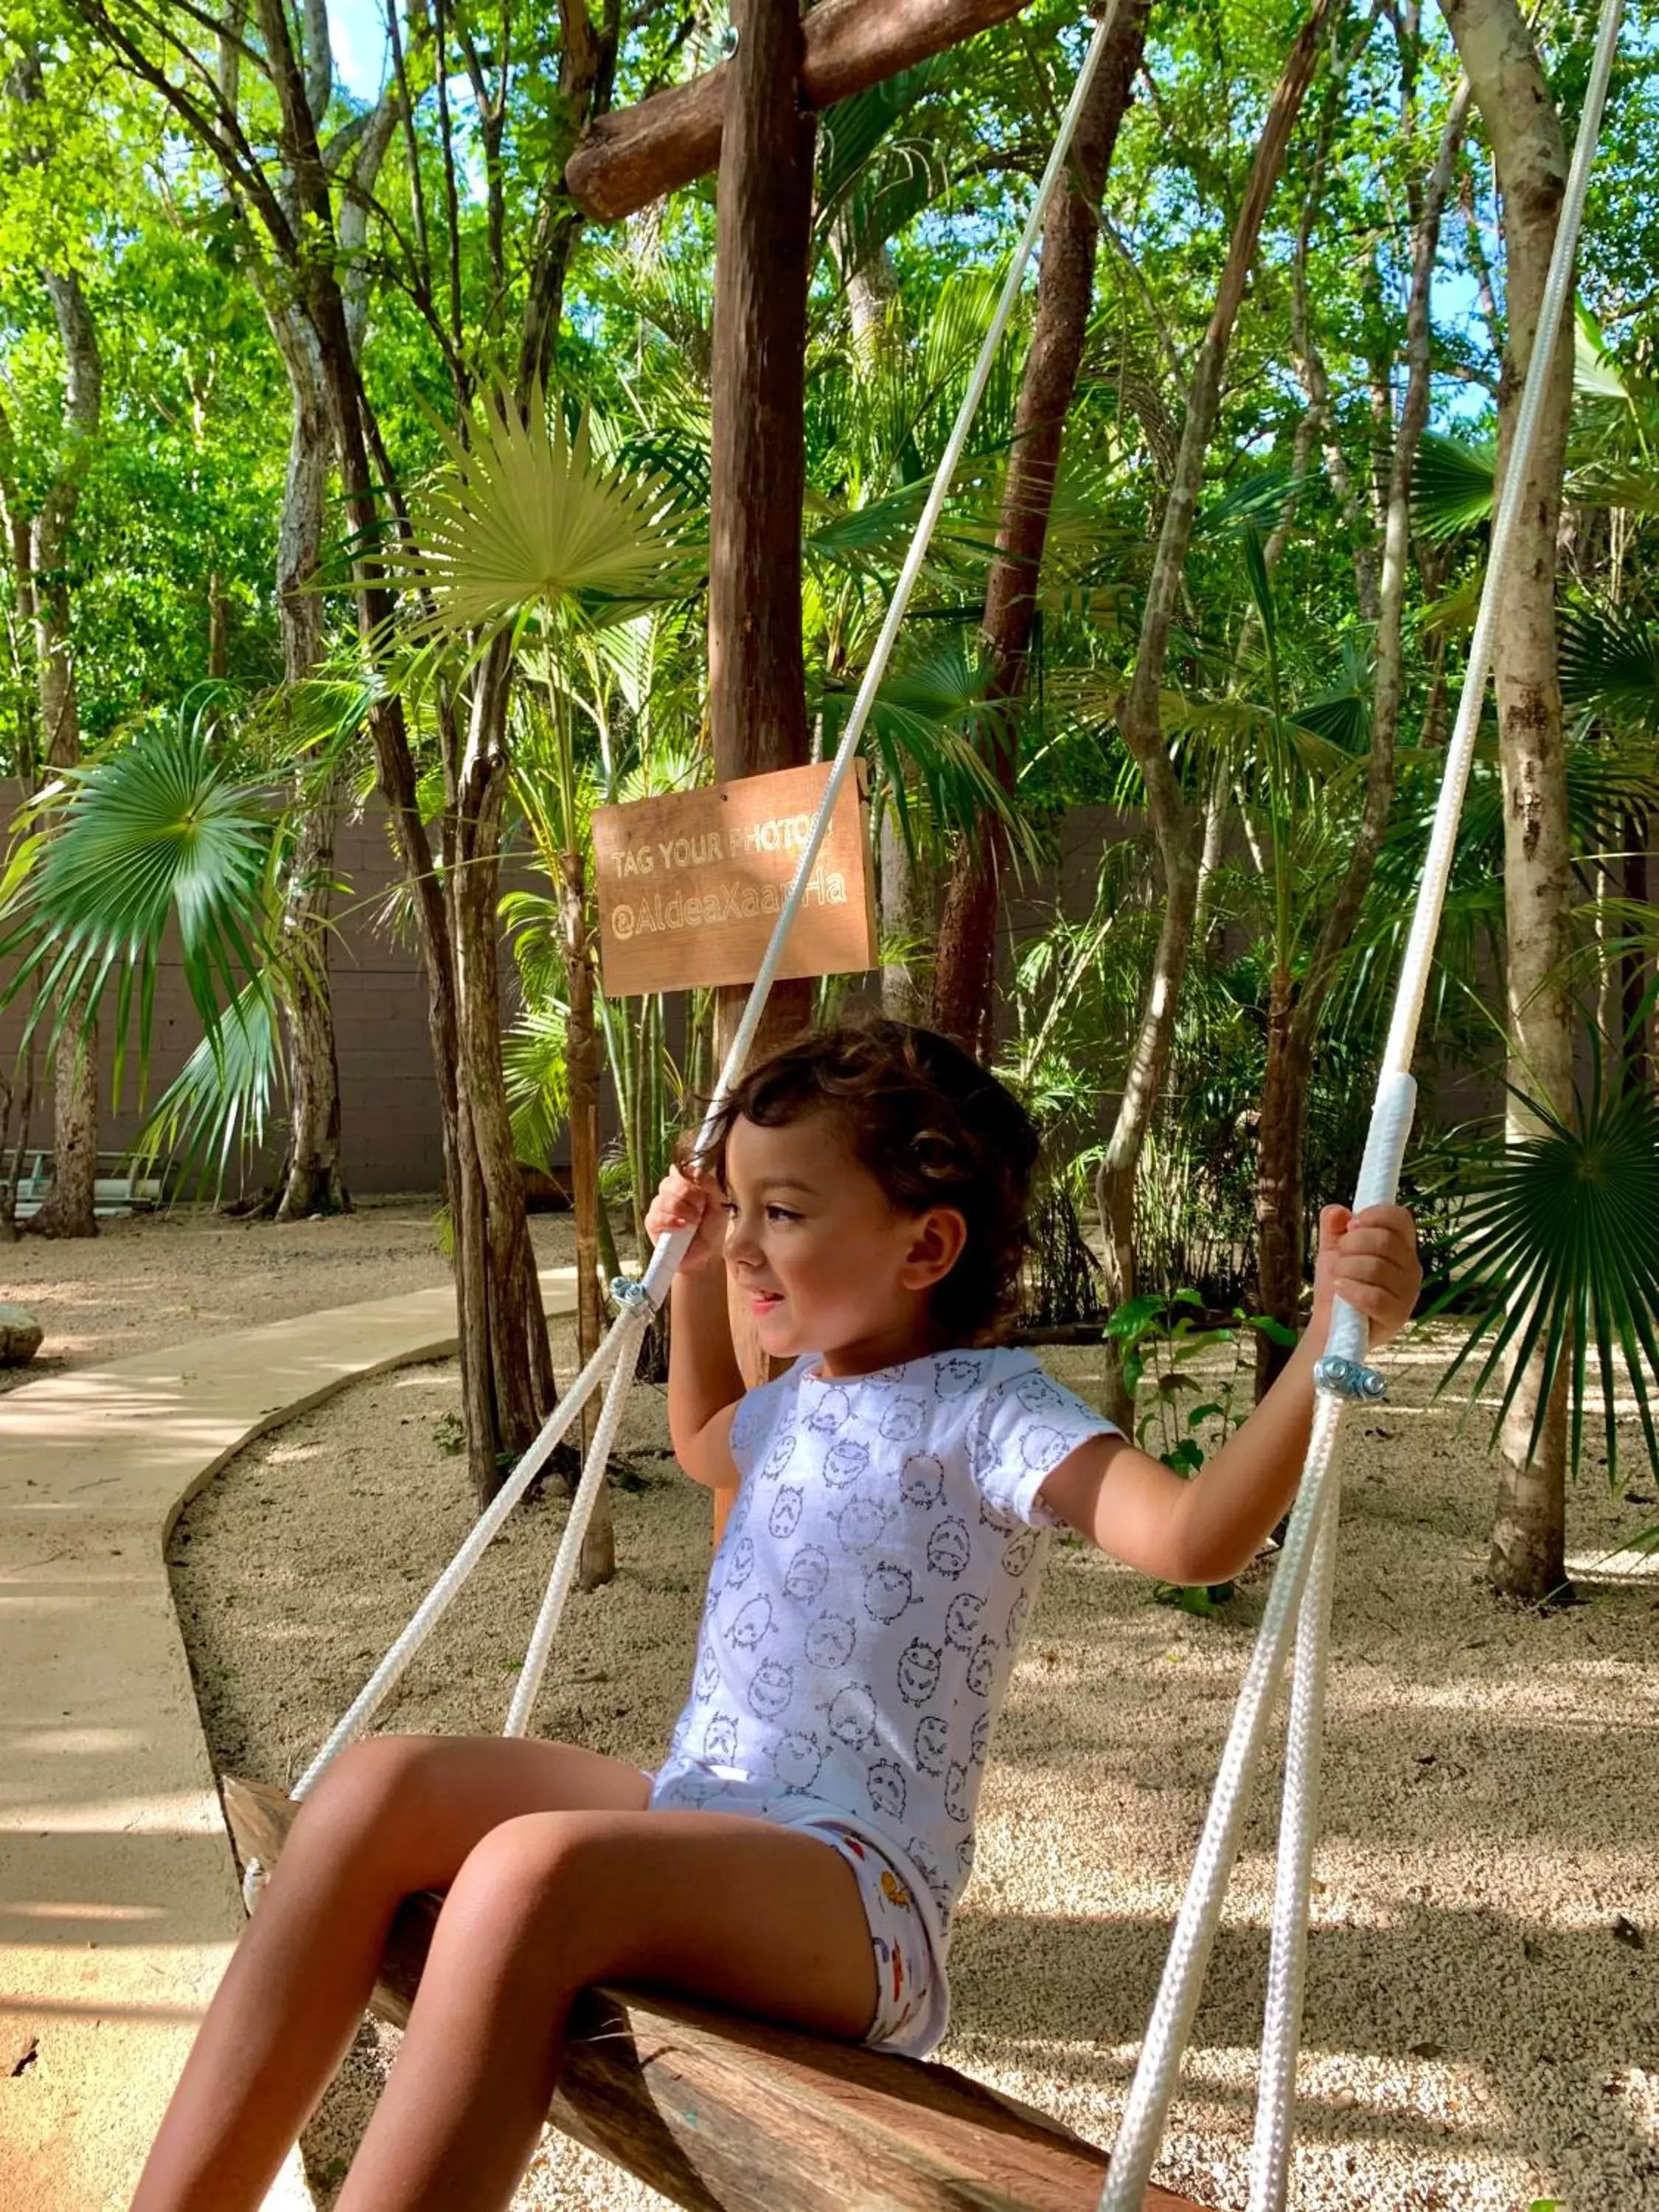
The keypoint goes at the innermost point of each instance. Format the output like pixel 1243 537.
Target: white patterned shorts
pixel 910 1982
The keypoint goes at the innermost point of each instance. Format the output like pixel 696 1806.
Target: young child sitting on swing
pixel 800 1854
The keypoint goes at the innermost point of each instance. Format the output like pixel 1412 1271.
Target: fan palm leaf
pixel 1560 1252
pixel 1453 486
pixel 1610 665
pixel 523 520
pixel 536 1071
pixel 934 720
pixel 154 838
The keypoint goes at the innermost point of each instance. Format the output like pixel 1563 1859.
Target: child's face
pixel 826 1263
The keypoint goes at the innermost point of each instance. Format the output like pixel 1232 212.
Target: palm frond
pixel 219 1104
pixel 536 1071
pixel 1596 373
pixel 1610 664
pixel 1452 486
pixel 1560 1253
pixel 154 838
pixel 522 521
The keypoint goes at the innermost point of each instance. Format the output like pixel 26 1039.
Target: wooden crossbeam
pixel 629 159
pixel 724 2114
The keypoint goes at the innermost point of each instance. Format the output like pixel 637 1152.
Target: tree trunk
pixel 909 925
pixel 507 1373
pixel 310 1182
pixel 68 1208
pixel 757 673
pixel 597 1562
pixel 1281 1134
pixel 313 1182
pixel 1528 1547
pixel 1140 718
pixel 520 1372
pixel 1295 1011
pixel 965 970
pixel 508 1336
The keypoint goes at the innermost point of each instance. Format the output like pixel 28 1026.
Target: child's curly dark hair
pixel 931 1126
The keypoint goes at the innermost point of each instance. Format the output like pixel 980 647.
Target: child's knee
pixel 370 1790
pixel 528 1871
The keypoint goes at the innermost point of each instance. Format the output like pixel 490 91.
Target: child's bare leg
pixel 760 1918
pixel 397 1814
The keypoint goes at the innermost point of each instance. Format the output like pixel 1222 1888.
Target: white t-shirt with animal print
pixel 867 1600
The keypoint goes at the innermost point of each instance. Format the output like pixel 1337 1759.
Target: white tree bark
pixel 68 1207
pixel 1528 1557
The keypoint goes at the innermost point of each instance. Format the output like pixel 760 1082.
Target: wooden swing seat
pixel 725 2114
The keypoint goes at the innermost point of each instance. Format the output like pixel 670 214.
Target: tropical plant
pixel 158 835
pixel 1162 1342
pixel 1558 1241
pixel 523 543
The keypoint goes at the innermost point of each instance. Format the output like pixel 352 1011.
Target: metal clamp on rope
pixel 1348 1378
pixel 631 1294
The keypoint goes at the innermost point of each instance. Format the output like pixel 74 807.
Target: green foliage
pixel 1452 486
pixel 157 837
pixel 1559 1243
pixel 1161 1342
pixel 1610 664
pixel 523 520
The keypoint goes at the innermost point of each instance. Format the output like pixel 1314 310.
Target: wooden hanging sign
pixel 691 884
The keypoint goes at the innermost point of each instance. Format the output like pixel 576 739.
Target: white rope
pixel 1146 2111
pixel 575 1527
pixel 1287 1956
pixel 436 1602
pixel 667 1256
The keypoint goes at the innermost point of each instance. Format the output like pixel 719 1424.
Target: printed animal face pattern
pixel 867 1600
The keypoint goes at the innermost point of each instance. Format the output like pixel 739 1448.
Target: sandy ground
pixel 160 1278
pixel 1483 1999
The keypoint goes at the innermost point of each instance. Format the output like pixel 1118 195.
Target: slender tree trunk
pixel 506 1372
pixel 68 1209
pixel 756 675
pixel 520 1372
pixel 311 1181
pixel 965 970
pixel 597 1562
pixel 909 925
pixel 1140 716
pixel 1528 1547
pixel 1294 1011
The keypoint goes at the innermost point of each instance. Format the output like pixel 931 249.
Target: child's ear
pixel 936 1244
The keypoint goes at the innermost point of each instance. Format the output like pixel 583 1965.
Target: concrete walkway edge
pixel 118 1898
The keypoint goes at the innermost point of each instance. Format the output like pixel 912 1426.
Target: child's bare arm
pixel 1204 1531
pixel 704 1380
